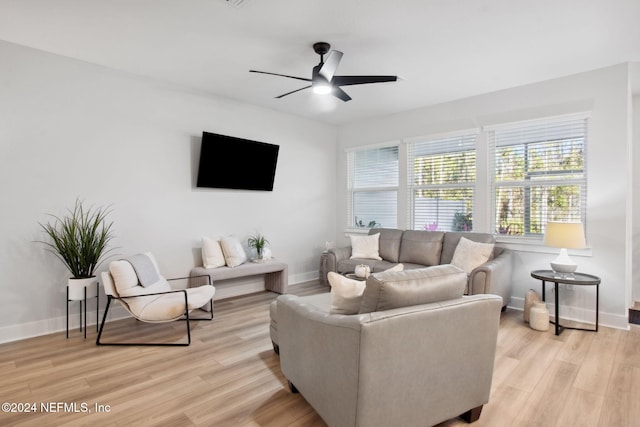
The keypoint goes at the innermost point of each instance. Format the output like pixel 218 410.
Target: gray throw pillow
pixel 388 290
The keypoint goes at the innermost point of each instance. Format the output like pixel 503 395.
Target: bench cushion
pixel 276 274
pixel 242 270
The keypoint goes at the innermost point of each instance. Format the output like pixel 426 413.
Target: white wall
pixel 69 129
pixel 636 199
pixel 605 93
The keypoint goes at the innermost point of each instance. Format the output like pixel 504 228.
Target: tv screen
pixel 237 163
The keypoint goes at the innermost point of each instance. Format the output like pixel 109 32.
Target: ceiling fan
pixel 324 81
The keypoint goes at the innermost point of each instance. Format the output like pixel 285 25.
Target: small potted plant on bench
pixel 258 242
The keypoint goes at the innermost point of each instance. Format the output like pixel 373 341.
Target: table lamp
pixel 564 235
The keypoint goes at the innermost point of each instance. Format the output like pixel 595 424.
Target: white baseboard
pixel 241 287
pixel 230 288
pixel 59 324
pixel 578 314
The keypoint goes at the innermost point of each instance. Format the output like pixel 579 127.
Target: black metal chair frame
pixel 186 317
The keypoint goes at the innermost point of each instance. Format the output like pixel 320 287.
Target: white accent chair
pixel 156 303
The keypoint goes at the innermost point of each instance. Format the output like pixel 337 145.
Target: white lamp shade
pixel 568 235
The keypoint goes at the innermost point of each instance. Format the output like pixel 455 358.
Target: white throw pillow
pixel 124 276
pixel 469 254
pixel 366 247
pixel 126 281
pixel 234 254
pixel 212 256
pixel 346 294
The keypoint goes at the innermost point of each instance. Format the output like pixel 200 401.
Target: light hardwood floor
pixel 229 376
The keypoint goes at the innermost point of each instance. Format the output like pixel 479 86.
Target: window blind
pixel 373 179
pixel 539 174
pixel 441 176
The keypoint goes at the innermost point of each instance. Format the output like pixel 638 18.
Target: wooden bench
pixel 276 277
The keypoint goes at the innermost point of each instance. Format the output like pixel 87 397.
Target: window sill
pixel 536 246
pixel 356 230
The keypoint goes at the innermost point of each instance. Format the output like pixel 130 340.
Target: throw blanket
pixel 146 271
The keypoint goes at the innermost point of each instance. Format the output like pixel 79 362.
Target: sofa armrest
pixel 349 368
pixel 494 277
pixel 336 255
pixel 341 253
pixel 318 354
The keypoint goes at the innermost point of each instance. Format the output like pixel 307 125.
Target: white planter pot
pixel 77 287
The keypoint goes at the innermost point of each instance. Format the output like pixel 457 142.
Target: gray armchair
pixel 415 365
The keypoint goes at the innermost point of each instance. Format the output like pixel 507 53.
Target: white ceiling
pixel 442 49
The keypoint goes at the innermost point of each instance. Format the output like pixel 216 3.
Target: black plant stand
pixel 83 304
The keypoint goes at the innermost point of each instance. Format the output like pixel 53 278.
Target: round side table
pixel 578 279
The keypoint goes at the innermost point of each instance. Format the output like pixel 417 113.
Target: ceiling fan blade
pixel 281 75
pixel 293 91
pixel 339 93
pixel 361 80
pixel 330 65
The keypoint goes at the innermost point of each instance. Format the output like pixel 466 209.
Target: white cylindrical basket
pixel 539 316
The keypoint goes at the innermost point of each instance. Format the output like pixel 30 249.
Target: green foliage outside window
pixel 524 209
pixel 462 221
pixel 447 180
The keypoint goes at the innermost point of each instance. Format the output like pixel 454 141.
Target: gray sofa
pixel 418 249
pixel 404 365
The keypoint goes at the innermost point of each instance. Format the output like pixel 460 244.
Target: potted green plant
pixel 258 242
pixel 80 240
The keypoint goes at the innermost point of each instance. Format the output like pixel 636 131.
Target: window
pixel 373 187
pixel 539 174
pixel 441 176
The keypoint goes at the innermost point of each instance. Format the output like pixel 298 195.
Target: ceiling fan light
pixel 322 88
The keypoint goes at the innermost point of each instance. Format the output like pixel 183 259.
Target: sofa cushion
pixel 389 243
pixel 158 308
pixel 451 240
pixel 346 293
pixel 421 247
pixel 365 247
pixel 387 290
pixel 470 254
pixel 349 265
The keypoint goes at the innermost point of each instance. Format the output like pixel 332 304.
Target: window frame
pixel 526 182
pixel 484 205
pixel 352 191
pixel 412 187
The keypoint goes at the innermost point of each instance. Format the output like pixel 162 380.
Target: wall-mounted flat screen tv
pixel 236 163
